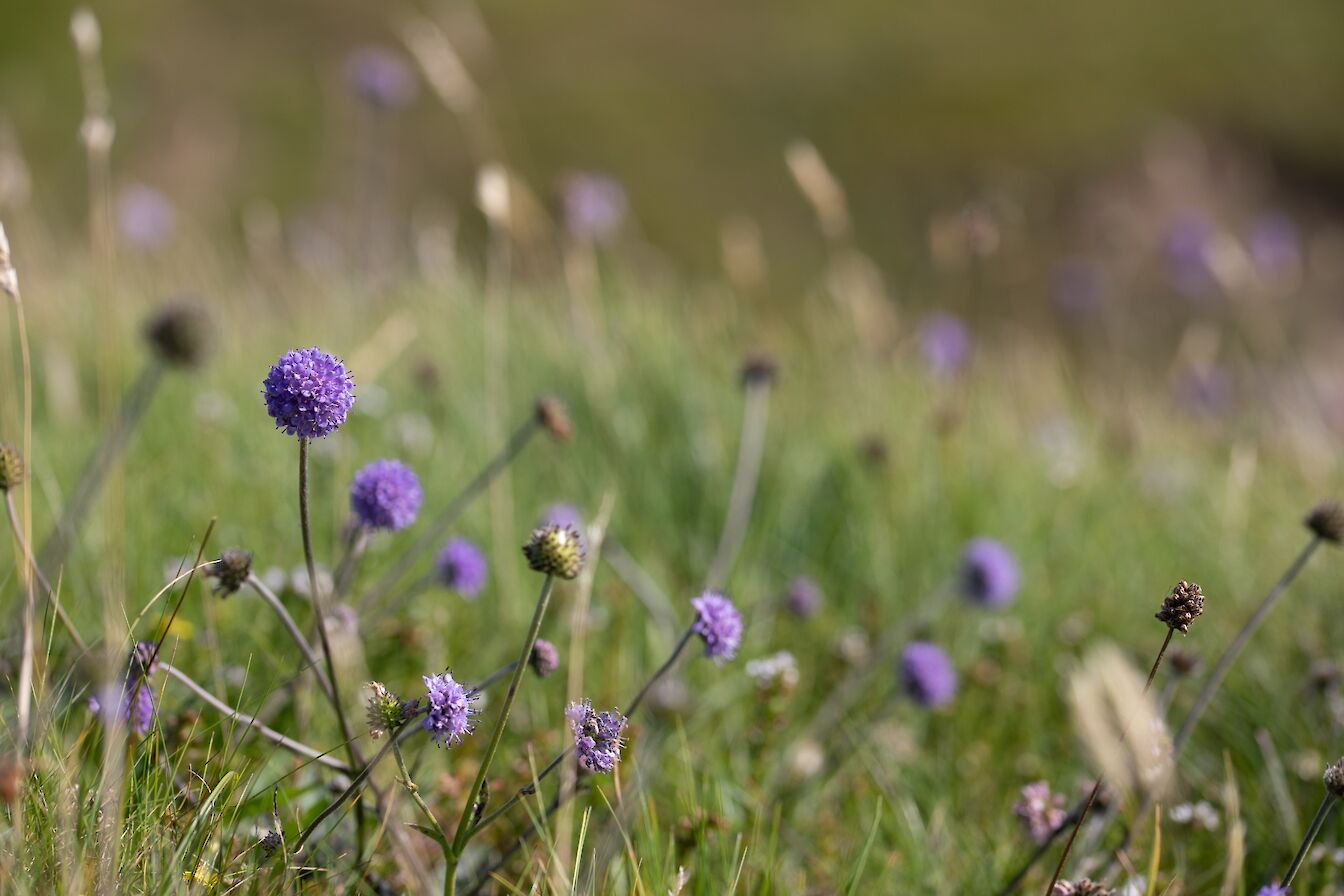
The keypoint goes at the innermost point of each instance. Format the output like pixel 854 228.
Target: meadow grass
pixel 902 799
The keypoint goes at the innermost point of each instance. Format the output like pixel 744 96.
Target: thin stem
pixel 464 822
pixel 1096 788
pixel 356 538
pixel 662 670
pixel 270 734
pixel 1321 814
pixel 27 552
pixel 439 527
pixel 349 791
pixel 295 633
pixel 745 477
pixel 414 791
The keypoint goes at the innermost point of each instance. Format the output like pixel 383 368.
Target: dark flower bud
pixel 552 416
pixel 1327 521
pixel 1183 662
pixel 1334 779
pixel 11 467
pixel 179 335
pixel 759 369
pixel 1182 606
pixel 270 842
pixel 230 571
pixel 555 550
pixel 386 712
pixel 545 658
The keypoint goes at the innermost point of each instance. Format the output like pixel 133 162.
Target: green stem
pixel 473 795
pixel 1316 823
pixel 348 792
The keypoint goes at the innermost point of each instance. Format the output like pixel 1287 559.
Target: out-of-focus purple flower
pixel 1272 890
pixel 381 77
pixel 1040 810
pixel 450 708
pixel 131 702
pixel 1078 286
pixel 989 573
pixel 944 342
pixel 1188 245
pixel 145 217
pixel 597 736
pixel 386 495
pixel 308 393
pixel 1275 247
pixel 461 567
pixel 595 206
pixel 719 624
pixel 802 597
pixel 545 658
pixel 927 674
pixel 1206 391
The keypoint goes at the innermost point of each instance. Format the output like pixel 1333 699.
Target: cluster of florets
pixel 131 701
pixel 597 736
pixel 230 571
pixel 545 658
pixel 719 625
pixel 309 393
pixel 449 710
pixel 386 494
pixel 1040 810
pixel 386 711
pixel 1182 606
pixel 555 550
pixel 461 567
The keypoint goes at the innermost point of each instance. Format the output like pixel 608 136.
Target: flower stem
pixel 295 633
pixel 463 832
pixel 349 791
pixel 747 473
pixel 1316 823
pixel 41 578
pixel 414 791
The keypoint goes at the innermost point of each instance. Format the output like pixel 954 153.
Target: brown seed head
pixel 179 335
pixel 1327 521
pixel 11 467
pixel 1182 606
pixel 552 416
pixel 230 571
pixel 1334 779
pixel 759 369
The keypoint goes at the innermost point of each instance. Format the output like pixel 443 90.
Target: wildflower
pixel 927 674
pixel 386 712
pixel 719 624
pixel 448 719
pixel 759 369
pixel 595 206
pixel 544 659
pixel 944 342
pixel 777 672
pixel 1182 606
pixel 269 843
pixel 562 514
pixel 386 495
pixel 461 567
pixel 802 597
pixel 552 417
pixel 1040 810
pixel 1084 887
pixel 179 334
pixel 555 550
pixel 145 217
pixel 989 573
pixel 380 77
pixel 11 467
pixel 597 736
pixel 230 571
pixel 1273 889
pixel 1327 521
pixel 1334 779
pixel 309 393
pixel 131 702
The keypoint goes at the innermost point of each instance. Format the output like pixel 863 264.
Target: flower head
pixel 545 658
pixel 802 597
pixel 387 712
pixel 944 342
pixel 1084 887
pixel 461 567
pixel 719 624
pixel 552 417
pixel 1334 778
pixel 145 217
pixel 380 77
pixel 11 467
pixel 386 495
pixel 448 719
pixel 597 736
pixel 989 574
pixel 230 571
pixel 595 207
pixel 759 369
pixel 927 674
pixel 131 702
pixel 1274 889
pixel 1182 606
pixel 179 334
pixel 1327 521
pixel 555 550
pixel 1040 810
pixel 308 393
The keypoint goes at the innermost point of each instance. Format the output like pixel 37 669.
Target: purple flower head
pixel 945 343
pixel 381 77
pixel 597 736
pixel 1188 246
pixel 989 574
pixel 461 567
pixel 145 217
pixel 1078 287
pixel 595 206
pixel 545 658
pixel 802 597
pixel 1272 890
pixel 131 702
pixel 308 393
pixel 927 674
pixel 1274 246
pixel 1040 810
pixel 386 495
pixel 448 719
pixel 719 623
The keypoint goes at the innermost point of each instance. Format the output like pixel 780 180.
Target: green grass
pixel 906 800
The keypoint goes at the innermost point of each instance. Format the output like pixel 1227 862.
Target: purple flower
pixel 461 567
pixel 1206 391
pixel 597 736
pixel 545 658
pixel 448 719
pixel 1078 287
pixel 595 206
pixel 802 597
pixel 1188 246
pixel 1040 810
pixel 131 702
pixel 145 217
pixel 989 574
pixel 308 393
pixel 927 674
pixel 719 624
pixel 386 495
pixel 1274 246
pixel 1272 890
pixel 944 342
pixel 380 77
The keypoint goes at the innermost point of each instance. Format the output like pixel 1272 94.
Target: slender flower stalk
pixel 41 578
pixel 11 477
pixel 295 633
pixel 1334 790
pixel 757 377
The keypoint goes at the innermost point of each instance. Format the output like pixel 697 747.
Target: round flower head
pixel 802 597
pixel 1273 889
pixel 989 573
pixel 11 467
pixel 1040 810
pixel 1182 606
pixel 597 736
pixel 1334 779
pixel 386 712
pixel 380 77
pixel 308 393
pixel 555 551
pixel 230 571
pixel 595 206
pixel 944 342
pixel 1326 520
pixel 448 719
pixel 179 334
pixel 545 658
pixel 719 623
pixel 386 495
pixel 461 567
pixel 927 674
pixel 145 217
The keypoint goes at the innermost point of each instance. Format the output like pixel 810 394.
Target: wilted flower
pixel 927 674
pixel 230 571
pixel 989 573
pixel 179 334
pixel 386 712
pixel 380 77
pixel 11 467
pixel 448 719
pixel 945 343
pixel 309 393
pixel 461 567
pixel 719 624
pixel 145 217
pixel 802 597
pixel 555 551
pixel 386 495
pixel 597 736
pixel 595 206
pixel 1334 779
pixel 545 658
pixel 1182 606
pixel 1040 810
